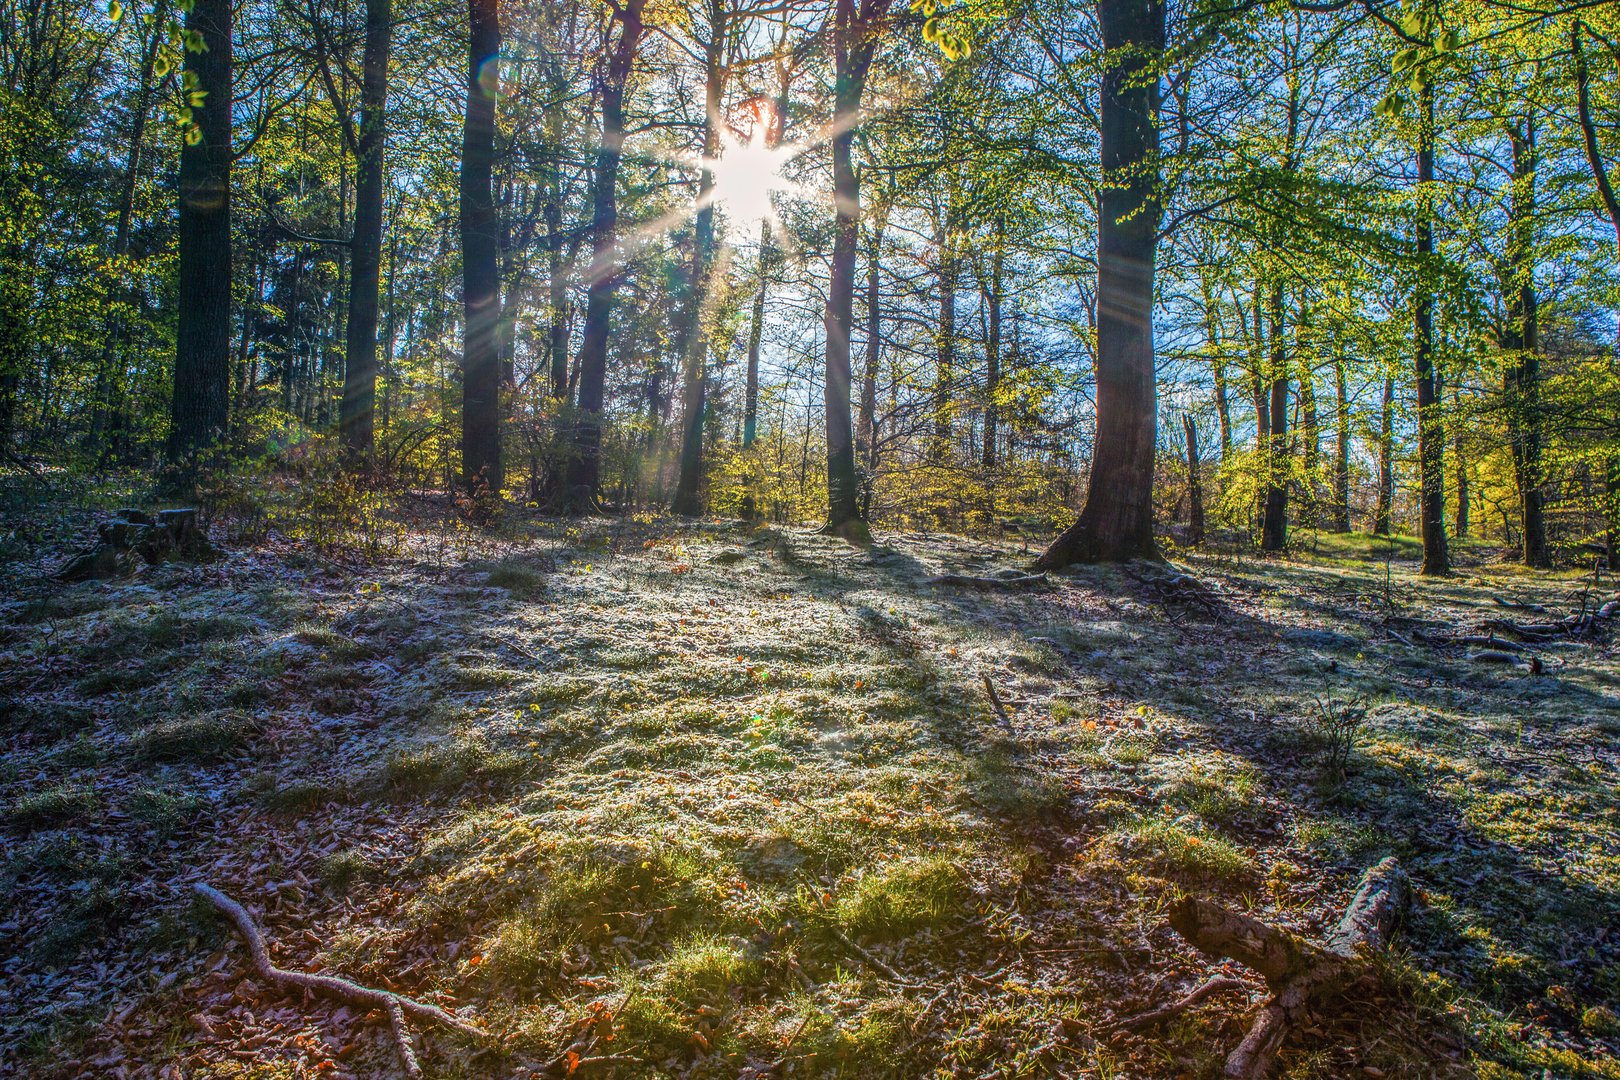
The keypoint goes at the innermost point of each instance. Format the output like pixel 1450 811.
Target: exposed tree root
pixel 1010 580
pixel 395 1005
pixel 1300 974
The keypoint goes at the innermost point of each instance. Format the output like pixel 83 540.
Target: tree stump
pixel 1300 974
pixel 134 534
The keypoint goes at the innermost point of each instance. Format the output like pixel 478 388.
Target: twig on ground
pixel 395 1005
pixel 995 699
pixel 968 581
pixel 877 963
pixel 1215 984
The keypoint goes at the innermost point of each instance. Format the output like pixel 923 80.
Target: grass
pixel 192 738
pixel 56 805
pixel 762 814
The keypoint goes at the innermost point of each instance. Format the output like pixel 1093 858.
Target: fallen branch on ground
pixel 395 1005
pixel 1299 973
pixel 1215 984
pixel 995 699
pixel 968 581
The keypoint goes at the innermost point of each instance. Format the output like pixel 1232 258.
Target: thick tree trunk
pixel 583 474
pixel 855 41
pixel 1274 523
pixel 202 365
pixel 689 480
pixel 1431 436
pixel 1340 516
pixel 356 414
pixel 480 253
pixel 1386 462
pixel 1117 522
pixel 1520 339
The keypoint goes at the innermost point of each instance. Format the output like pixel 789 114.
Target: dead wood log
pixel 1012 580
pixel 1300 974
pixel 395 1005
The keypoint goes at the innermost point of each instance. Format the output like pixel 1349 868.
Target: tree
pixel 855 41
pixel 582 473
pixel 356 412
pixel 480 253
pixel 202 364
pixel 1117 521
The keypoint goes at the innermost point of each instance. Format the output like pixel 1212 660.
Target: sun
pixel 746 174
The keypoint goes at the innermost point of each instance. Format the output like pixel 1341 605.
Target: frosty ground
pixel 647 797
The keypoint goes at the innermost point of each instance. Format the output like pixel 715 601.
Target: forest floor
pixel 694 800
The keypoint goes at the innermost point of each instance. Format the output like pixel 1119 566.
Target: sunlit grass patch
pixel 1218 791
pixel 900 899
pixel 444 765
pixel 486 677
pixel 1178 852
pixel 523 579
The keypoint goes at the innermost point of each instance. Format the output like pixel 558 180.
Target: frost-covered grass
pixel 707 800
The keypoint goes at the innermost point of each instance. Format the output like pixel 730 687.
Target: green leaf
pixel 188 81
pixel 1391 107
pixel 160 67
pixel 1403 60
pixel 196 98
pixel 1451 40
pixel 193 135
pixel 195 42
pixel 115 11
pixel 931 30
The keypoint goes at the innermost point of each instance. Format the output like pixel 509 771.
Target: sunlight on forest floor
pixel 721 803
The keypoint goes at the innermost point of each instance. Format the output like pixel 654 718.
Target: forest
pixel 797 538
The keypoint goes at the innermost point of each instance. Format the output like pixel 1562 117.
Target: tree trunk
pixel 583 474
pixel 1431 437
pixel 480 254
pixel 945 337
pixel 855 41
pixel 694 366
pixel 1386 462
pixel 992 346
pixel 1274 523
pixel 1341 456
pixel 756 329
pixel 1583 110
pixel 108 404
pixel 1117 522
pixel 1522 378
pixel 1195 486
pixel 356 414
pixel 202 365
pixel 866 426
